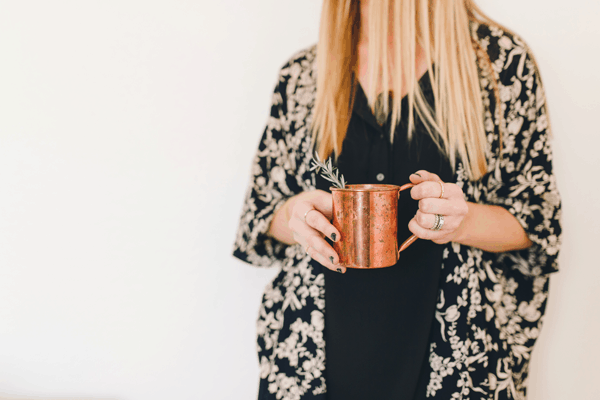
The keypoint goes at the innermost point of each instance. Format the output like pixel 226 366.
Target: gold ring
pixel 305 214
pixel 307 250
pixel 442 186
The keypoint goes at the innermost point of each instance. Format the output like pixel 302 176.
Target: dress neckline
pixel 362 108
pixel 423 81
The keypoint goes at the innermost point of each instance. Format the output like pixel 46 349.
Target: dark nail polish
pixel 333 236
pixel 339 270
pixel 331 258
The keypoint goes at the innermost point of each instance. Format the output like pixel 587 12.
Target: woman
pixel 464 118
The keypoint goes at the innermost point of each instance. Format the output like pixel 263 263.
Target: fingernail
pixel 339 270
pixel 333 236
pixel 417 175
pixel 331 258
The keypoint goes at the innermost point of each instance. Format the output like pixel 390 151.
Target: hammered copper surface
pixel 367 218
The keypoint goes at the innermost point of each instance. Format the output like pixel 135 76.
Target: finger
pixel 434 190
pixel 320 200
pixel 330 262
pixel 422 176
pixel 443 207
pixel 427 221
pixel 325 262
pixel 317 221
pixel 323 202
pixel 425 233
pixel 310 237
pixel 310 211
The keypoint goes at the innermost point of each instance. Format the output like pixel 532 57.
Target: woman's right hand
pixel 309 215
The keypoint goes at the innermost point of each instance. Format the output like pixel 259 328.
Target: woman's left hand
pixel 452 207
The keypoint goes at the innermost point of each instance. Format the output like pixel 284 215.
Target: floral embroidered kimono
pixel 490 306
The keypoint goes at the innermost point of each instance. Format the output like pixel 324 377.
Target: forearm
pixel 491 228
pixel 279 228
pixel 487 227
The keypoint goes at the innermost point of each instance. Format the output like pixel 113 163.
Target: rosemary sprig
pixel 328 171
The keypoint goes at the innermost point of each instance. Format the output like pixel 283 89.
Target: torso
pixel 378 321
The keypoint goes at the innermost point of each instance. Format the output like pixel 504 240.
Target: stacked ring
pixel 439 222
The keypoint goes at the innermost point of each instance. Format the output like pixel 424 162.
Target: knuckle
pixel 465 209
pixel 455 189
pixel 456 209
pixel 449 226
pixel 415 192
pixel 426 206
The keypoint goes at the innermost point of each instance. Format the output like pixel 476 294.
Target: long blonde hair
pixel 442 29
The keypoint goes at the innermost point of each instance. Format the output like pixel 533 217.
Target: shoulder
pixel 297 82
pixel 302 60
pixel 509 55
pixel 299 69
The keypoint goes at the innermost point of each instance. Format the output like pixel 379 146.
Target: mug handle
pixel 413 238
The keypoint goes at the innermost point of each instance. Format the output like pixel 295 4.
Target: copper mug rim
pixel 373 187
pixel 366 187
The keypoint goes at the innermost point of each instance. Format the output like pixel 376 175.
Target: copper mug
pixel 367 218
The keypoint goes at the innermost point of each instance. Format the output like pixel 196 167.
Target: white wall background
pixel 127 128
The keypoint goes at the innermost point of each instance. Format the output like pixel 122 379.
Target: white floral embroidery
pixel 490 307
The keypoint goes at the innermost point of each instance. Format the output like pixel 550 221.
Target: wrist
pixel 462 232
pixel 287 208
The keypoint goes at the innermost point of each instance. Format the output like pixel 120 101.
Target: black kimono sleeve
pixel 524 182
pixel 273 180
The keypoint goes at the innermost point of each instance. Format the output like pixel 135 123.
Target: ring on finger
pixel 308 247
pixel 305 214
pixel 442 187
pixel 438 223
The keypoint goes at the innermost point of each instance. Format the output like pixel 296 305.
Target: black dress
pixel 377 322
